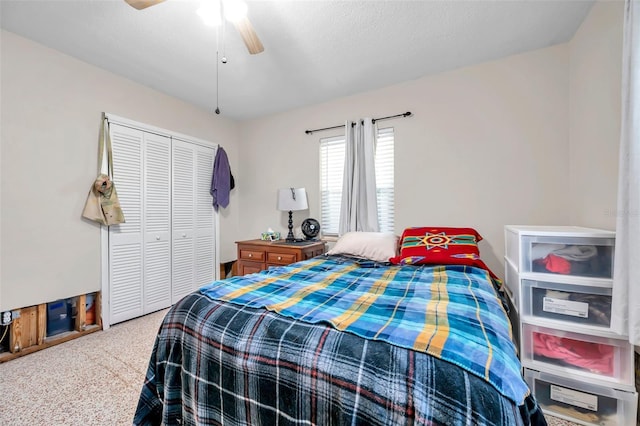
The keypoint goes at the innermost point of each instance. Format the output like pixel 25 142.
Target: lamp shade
pixel 292 199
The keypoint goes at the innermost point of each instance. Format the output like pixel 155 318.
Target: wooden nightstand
pixel 256 255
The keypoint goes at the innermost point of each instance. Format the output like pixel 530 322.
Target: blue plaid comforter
pixel 271 356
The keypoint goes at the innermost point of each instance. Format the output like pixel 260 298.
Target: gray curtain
pixel 359 208
pixel 626 289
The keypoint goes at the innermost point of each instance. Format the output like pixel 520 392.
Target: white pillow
pixel 376 246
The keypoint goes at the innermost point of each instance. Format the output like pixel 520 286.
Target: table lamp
pixel 292 199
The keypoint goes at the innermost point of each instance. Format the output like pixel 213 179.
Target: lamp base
pixel 290 234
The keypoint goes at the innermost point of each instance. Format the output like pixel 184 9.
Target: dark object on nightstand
pixel 310 228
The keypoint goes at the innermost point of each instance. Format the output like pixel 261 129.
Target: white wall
pixel 529 139
pixel 487 146
pixel 595 113
pixel 51 106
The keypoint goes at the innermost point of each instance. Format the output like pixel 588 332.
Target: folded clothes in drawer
pixel 590 357
pixel 582 402
pixel 581 304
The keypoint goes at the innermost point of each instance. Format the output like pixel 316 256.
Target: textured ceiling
pixel 314 50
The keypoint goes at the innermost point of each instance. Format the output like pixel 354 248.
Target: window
pixel 331 171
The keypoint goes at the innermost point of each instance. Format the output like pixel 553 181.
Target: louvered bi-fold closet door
pixel 140 248
pixel 126 239
pixel 157 222
pixel 192 218
pixel 204 229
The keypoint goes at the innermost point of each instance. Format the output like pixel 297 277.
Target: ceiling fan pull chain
pixel 224 34
pixel 217 84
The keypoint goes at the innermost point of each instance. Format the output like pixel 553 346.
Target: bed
pixel 343 338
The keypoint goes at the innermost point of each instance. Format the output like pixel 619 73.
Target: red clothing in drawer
pixel 590 356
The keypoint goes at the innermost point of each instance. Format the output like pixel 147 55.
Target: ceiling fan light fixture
pixel 209 11
pixel 235 10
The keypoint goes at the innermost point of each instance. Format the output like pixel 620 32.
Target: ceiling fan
pixel 239 20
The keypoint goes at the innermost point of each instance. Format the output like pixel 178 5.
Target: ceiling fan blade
pixel 142 4
pixel 249 36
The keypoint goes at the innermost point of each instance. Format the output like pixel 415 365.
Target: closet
pixel 166 247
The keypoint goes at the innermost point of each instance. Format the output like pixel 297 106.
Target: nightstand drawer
pixel 245 268
pixel 253 255
pixel 281 258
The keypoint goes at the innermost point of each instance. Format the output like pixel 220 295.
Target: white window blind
pixel 331 171
pixel 384 179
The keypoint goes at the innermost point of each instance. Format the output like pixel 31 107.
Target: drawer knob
pixel 250 255
pixel 158 237
pixel 279 257
pixel 184 235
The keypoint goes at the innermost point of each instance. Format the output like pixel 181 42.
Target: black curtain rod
pixel 406 114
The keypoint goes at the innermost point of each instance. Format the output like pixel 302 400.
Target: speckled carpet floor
pixel 93 380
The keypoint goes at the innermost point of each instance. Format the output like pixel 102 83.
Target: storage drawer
pixel 308 254
pixel 575 256
pixel 252 254
pixel 281 258
pixel 577 304
pixel 512 283
pixel 589 357
pixel 582 402
pixel 245 268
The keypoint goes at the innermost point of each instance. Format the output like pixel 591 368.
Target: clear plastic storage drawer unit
pixel 588 358
pixel 581 402
pixel 589 305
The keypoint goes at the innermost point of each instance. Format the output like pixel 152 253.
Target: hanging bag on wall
pixel 102 203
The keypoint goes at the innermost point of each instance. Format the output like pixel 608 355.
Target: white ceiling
pixel 314 50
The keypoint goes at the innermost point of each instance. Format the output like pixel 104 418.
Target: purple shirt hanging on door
pixel 221 180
